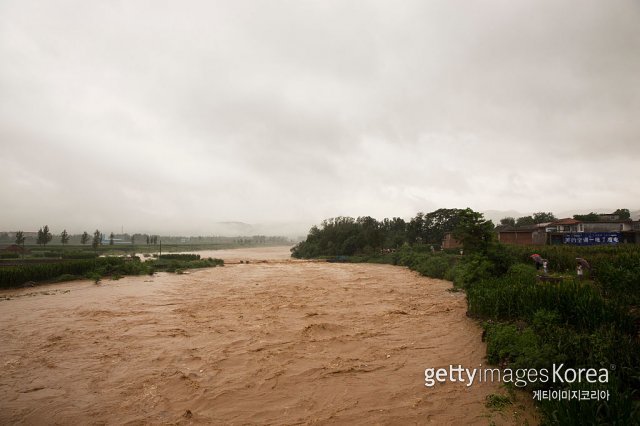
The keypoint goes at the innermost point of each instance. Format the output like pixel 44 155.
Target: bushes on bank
pixel 14 276
pixel 434 266
pixel 179 256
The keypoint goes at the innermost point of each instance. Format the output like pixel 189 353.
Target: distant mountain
pixel 237 229
pixel 231 229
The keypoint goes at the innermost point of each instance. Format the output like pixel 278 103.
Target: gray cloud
pixel 169 117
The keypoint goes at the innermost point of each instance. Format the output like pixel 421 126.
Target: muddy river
pixel 273 341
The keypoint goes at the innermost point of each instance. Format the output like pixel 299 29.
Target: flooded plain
pixel 274 341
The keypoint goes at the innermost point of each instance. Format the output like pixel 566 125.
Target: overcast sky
pixel 169 116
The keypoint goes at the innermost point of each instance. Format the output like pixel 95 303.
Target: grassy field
pixel 70 262
pixel 57 250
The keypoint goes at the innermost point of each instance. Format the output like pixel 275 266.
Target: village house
pixel 608 229
pixel 449 242
pixel 524 235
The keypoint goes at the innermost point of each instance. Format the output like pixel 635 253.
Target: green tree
pixel 44 236
pixel 20 238
pixel 439 222
pixel 47 235
pixel 473 231
pixel 431 227
pixel 372 237
pixel 543 217
pixel 415 229
pixel 133 239
pixel 111 237
pixel 508 221
pixel 84 239
pixel 624 214
pixel 591 217
pixel 64 237
pixel 97 238
pixel 525 221
pixel 394 231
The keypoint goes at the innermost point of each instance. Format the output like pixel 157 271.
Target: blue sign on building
pixel 592 238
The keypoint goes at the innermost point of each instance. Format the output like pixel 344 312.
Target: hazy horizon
pixel 171 118
pixel 291 230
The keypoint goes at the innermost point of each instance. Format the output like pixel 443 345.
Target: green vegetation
pixel 124 240
pixel 496 401
pixel 178 266
pixel 94 268
pixel 44 236
pixel 346 236
pixel 97 238
pixel 623 214
pixel 508 221
pixel 20 238
pixel 64 237
pixel 536 218
pixel 179 256
pixel 67 277
pixel 588 323
pixel 72 259
pixel 9 255
pixel 590 217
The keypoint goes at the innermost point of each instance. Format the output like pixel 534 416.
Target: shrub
pixel 622 408
pixel 471 270
pixel 178 256
pixel 95 277
pixel 66 277
pixel 13 276
pixel 496 401
pixel 435 266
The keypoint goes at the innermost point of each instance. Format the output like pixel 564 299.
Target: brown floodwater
pixel 274 341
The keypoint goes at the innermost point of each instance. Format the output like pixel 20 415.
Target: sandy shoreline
pixel 264 343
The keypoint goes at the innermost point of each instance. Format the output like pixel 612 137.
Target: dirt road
pixel 260 343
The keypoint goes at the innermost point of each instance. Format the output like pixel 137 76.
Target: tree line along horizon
pixel 344 235
pixel 423 228
pixel 44 237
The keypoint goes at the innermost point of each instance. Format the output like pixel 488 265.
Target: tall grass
pixel 14 276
